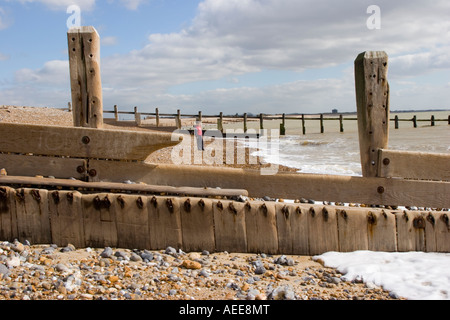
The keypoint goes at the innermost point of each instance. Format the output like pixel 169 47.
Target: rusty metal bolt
pixel 264 209
pixel 325 214
pixel 55 196
pixel 371 218
pixel 232 208
pixel 92 172
pixel 187 205
pixel 380 190
pixel 312 211
pixel 220 205
pixel 344 214
pixel 419 223
pixel 140 203
pixel 201 204
pixel 248 206
pixel 298 210
pixel 85 140
pixel 81 169
pixel 444 218
pixel 70 197
pixel 169 205
pixel 386 161
pixel 405 216
pixel 285 211
pixel 36 195
pixel 430 219
pixel 154 201
pixel 20 195
pixel 121 201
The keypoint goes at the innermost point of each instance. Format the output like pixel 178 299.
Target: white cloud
pixel 3 57
pixel 63 4
pixel 4 20
pixel 228 38
pixel 55 72
pixel 108 41
pixel 132 4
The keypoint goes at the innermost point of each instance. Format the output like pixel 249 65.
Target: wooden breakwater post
pixel 85 78
pixel 372 99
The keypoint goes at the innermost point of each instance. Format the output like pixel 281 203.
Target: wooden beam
pixel 124 187
pixel 83 142
pixel 26 165
pixel 363 190
pixel 372 99
pixel 414 165
pixel 85 78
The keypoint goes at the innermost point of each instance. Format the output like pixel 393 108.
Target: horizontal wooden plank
pixel 283 185
pixel 107 186
pixel 83 142
pixel 22 165
pixel 414 165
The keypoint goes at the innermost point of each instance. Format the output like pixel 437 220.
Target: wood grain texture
pixel 83 142
pixel 85 77
pixel 364 190
pixel 414 165
pixel 372 100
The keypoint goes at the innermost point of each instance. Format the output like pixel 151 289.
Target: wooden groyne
pixel 194 223
pixel 80 197
pixel 141 117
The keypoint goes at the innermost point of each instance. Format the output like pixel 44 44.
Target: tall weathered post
pixel 372 99
pixel 85 78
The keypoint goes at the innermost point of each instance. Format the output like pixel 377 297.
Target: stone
pixel 13 262
pixel 171 251
pixel 106 253
pixel 282 293
pixel 61 267
pixel 260 270
pixel 4 270
pixel 134 257
pixel 188 264
pixel 121 255
pixel 18 246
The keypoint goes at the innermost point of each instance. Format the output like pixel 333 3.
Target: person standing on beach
pixel 198 131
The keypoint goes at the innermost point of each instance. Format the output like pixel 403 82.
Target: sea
pixel 337 153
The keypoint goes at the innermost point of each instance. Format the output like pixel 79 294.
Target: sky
pixel 234 56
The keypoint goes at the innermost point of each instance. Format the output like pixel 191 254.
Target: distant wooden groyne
pixel 91 186
pixel 245 118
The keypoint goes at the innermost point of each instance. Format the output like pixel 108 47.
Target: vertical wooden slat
pixel 33 221
pixel 372 99
pixel 292 229
pixel 132 221
pixel 8 223
pixel 229 225
pixel 352 229
pixel 85 78
pixel 99 218
pixel 197 224
pixel 261 229
pixel 322 230
pixel 66 218
pixel 410 233
pixel 381 231
pixel 164 222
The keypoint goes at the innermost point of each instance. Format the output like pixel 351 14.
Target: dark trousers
pixel 200 142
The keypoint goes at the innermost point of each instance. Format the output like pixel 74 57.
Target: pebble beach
pixel 49 272
pixel 31 271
